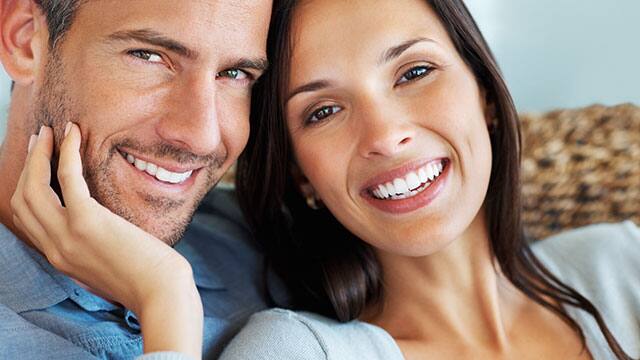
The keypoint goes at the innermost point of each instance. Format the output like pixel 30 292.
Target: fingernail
pixel 32 141
pixel 67 128
pixel 41 131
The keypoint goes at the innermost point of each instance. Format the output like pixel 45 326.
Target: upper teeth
pixel 156 171
pixel 411 184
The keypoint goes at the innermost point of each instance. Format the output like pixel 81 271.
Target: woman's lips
pixel 410 193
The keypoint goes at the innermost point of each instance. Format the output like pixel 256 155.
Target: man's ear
pixel 22 41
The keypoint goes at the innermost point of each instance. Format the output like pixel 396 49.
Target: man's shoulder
pixel 20 339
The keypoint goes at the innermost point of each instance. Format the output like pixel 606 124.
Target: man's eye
pixel 234 74
pixel 323 113
pixel 145 55
pixel 414 73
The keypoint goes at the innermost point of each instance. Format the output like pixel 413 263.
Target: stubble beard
pixel 163 217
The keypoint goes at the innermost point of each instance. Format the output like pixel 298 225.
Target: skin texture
pixel 444 296
pixel 181 111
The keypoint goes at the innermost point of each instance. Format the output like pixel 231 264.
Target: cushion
pixel 580 167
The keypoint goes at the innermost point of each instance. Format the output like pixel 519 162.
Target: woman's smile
pixel 408 188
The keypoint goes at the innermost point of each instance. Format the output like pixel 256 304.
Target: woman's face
pixel 387 122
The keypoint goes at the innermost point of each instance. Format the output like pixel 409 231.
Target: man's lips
pixel 170 174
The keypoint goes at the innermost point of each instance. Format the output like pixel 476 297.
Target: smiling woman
pixel 401 125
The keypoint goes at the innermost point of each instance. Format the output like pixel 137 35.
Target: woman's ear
pixel 305 188
pixel 490 113
pixel 22 41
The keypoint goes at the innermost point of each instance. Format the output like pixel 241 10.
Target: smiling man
pixel 161 92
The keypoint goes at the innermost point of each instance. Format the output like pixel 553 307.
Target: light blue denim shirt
pixel 46 315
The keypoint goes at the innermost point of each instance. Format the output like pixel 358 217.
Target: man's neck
pixel 13 153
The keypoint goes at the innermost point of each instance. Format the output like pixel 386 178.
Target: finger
pixel 35 190
pixel 74 188
pixel 19 207
pixel 32 232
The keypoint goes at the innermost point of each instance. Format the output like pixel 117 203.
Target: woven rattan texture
pixel 580 167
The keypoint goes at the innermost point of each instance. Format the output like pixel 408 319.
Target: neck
pixel 458 293
pixel 13 153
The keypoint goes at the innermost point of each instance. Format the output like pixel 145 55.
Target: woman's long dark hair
pixel 328 269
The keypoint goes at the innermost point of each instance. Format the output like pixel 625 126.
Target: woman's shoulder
pixel 601 262
pixel 593 247
pixel 286 334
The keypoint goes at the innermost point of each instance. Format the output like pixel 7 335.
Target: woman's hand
pixel 116 259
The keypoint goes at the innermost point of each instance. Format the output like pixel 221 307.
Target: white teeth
pixel 140 165
pixel 434 167
pixel 411 185
pixel 383 191
pixel 158 172
pixel 390 189
pixel 163 175
pixel 401 186
pixel 152 169
pixel 430 173
pixel 413 181
pixel 423 175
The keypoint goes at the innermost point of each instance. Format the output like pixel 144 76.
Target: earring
pixel 492 126
pixel 312 201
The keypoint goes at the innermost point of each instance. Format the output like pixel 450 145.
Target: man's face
pixel 161 92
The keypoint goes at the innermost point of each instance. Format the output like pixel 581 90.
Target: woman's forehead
pixel 326 34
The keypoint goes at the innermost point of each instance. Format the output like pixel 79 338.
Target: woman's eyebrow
pixel 312 86
pixel 388 55
pixel 397 50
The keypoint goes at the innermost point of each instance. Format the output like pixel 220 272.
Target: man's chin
pixel 169 227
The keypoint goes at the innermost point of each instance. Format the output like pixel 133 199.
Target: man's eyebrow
pixel 154 38
pixel 312 86
pixel 395 51
pixel 259 64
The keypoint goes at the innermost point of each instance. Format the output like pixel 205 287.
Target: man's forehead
pixel 201 23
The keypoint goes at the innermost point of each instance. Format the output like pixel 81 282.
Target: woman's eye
pixel 414 73
pixel 234 74
pixel 323 113
pixel 145 55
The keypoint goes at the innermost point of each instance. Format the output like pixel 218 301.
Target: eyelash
pixel 323 112
pixel 247 75
pixel 145 55
pixel 417 72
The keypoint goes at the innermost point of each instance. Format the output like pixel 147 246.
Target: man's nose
pixel 193 121
pixel 383 131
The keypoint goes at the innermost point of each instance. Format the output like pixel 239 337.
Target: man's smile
pixel 167 174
